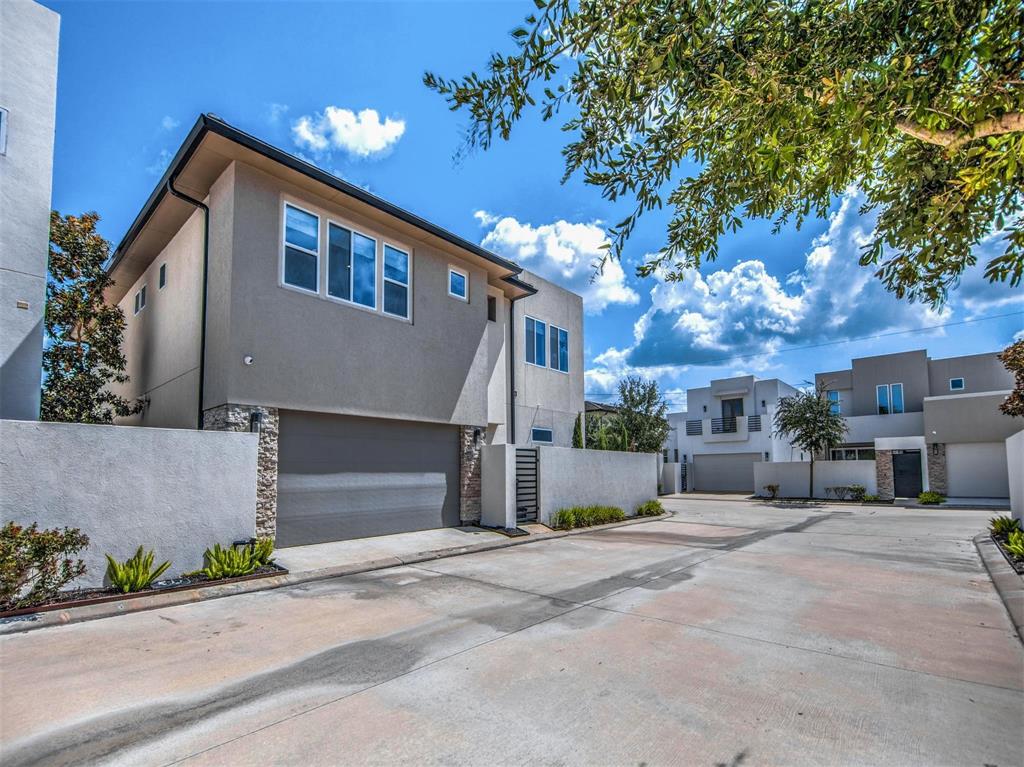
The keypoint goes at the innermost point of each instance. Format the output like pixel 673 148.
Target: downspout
pixel 512 367
pixel 206 270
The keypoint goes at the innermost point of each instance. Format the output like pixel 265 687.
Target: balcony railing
pixel 753 423
pixel 723 425
pixel 694 428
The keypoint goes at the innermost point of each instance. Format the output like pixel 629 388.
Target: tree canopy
pixel 641 415
pixel 808 421
pixel 1012 358
pixel 732 109
pixel 83 333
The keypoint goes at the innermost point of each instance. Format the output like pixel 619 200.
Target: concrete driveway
pixel 731 634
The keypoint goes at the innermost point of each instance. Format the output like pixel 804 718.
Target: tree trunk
pixel 810 490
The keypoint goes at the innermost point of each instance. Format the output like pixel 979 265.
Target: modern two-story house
pixel 929 424
pixel 373 351
pixel 726 429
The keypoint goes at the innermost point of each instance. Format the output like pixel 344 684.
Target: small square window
pixel 956 384
pixel 163 276
pixel 545 436
pixel 458 284
pixel 492 308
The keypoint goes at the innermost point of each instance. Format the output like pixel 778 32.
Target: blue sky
pixel 134 76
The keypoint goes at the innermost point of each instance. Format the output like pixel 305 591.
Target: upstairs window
pixel 301 268
pixel 956 384
pixel 536 331
pixel 140 300
pixel 897 397
pixel 163 276
pixel 559 349
pixel 396 282
pixel 889 398
pixel 544 436
pixel 492 308
pixel 834 405
pixel 352 266
pixel 458 283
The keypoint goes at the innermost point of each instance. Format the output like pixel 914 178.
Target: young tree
pixel 808 421
pixel 1012 358
pixel 83 351
pixel 774 109
pixel 641 414
pixel 577 432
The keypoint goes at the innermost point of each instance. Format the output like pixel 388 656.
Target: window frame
pixel 888 400
pixel 835 403
pixel 554 348
pixel 378 267
pixel 384 279
pixel 533 435
pixel 543 357
pixel 140 299
pixel 285 245
pixel 892 405
pixel 961 387
pixel 452 269
pixel 161 280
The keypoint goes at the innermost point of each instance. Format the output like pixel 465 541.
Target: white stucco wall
pixel 792 477
pixel 570 477
pixel 977 470
pixel 171 490
pixel 1015 470
pixel 498 486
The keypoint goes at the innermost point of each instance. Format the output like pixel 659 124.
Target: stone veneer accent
pixel 884 475
pixel 937 467
pixel 236 418
pixel 469 474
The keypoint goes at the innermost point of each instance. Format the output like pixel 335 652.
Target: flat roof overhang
pixel 212 145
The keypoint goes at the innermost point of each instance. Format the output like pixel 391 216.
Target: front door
pixel 906 473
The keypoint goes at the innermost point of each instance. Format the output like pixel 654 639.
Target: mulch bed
pixel 83 597
pixel 1017 563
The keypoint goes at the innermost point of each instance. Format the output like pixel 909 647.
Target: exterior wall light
pixel 255 421
pixel 247 359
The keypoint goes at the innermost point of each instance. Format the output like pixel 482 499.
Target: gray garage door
pixel 977 470
pixel 725 473
pixel 343 477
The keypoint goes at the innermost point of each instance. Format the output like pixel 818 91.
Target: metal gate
pixel 527 480
pixel 682 476
pixel 906 473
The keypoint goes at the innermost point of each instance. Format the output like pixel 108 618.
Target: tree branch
pixel 1011 122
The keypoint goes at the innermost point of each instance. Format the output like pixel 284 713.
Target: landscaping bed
pixel 1008 537
pixel 1016 562
pixel 95 596
pixel 830 501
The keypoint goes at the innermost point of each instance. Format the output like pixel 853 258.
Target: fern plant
pixel 134 574
pixel 1015 543
pixel 1003 525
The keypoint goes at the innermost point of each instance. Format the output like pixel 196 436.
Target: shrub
pixel 651 508
pixel 858 492
pixel 230 562
pixel 1015 543
pixel 773 491
pixel 930 497
pixel 135 574
pixel 36 564
pixel 1002 525
pixel 586 516
pixel 263 551
pixel 869 497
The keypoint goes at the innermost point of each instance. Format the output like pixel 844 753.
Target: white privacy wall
pixel 793 476
pixel 572 477
pixel 176 491
pixel 1015 470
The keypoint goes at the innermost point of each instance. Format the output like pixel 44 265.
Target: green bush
pixel 586 516
pixel 230 562
pixel 1015 543
pixel 36 564
pixel 1002 525
pixel 135 574
pixel 858 493
pixel 773 491
pixel 869 497
pixel 652 508
pixel 930 497
pixel 263 551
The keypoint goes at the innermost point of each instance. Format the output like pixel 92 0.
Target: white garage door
pixel 977 470
pixel 725 473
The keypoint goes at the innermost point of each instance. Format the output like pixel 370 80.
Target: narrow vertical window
pixel 897 398
pixel 529 345
pixel 163 276
pixel 540 337
pixel 834 405
pixel 396 282
pixel 301 249
pixel 492 308
pixel 882 398
pixel 559 352
pixel 364 270
pixel 339 262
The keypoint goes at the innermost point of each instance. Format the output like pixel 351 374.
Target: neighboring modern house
pixel 726 429
pixel 373 351
pixel 28 102
pixel 929 424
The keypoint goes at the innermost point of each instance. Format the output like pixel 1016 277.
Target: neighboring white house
pixel 726 429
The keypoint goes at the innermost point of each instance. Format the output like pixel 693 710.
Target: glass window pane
pixel 866 454
pixel 553 362
pixel 457 284
pixel 956 383
pixel 563 351
pixel 849 455
pixel 300 269
pixel 882 396
pixel 396 299
pixel 301 228
pixel 396 265
pixel 541 338
pixel 530 345
pixel 339 262
pixel 897 398
pixel 364 282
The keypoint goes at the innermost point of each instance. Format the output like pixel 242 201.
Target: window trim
pixel 550 347
pixel 285 245
pixel 903 403
pixel 465 275
pixel 544 357
pixel 961 387
pixel 533 435
pixel 161 280
pixel 378 267
pixel 384 279
pixel 140 299
pixel 836 405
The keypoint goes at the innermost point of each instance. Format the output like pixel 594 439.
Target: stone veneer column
pixel 937 467
pixel 236 418
pixel 884 475
pixel 469 474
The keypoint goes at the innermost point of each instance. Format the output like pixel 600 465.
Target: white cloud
pixel 169 123
pixel 160 164
pixel 361 135
pixel 276 111
pixel 563 252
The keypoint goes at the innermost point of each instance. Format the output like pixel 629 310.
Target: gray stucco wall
pixel 28 88
pixel 570 477
pixel 981 373
pixel 968 418
pixel 171 490
pixel 907 368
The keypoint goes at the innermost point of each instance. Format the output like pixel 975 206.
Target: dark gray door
pixel 906 473
pixel 343 477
